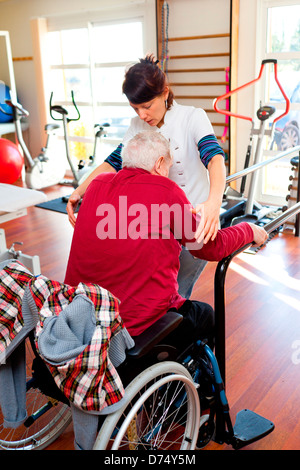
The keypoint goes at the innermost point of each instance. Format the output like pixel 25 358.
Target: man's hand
pixel 260 236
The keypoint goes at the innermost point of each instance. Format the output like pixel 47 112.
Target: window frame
pixel 91 66
pixel 261 91
pixel 143 10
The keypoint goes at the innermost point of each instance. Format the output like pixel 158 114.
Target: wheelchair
pixel 160 409
pixel 173 401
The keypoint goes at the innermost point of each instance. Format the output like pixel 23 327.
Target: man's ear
pixel 158 166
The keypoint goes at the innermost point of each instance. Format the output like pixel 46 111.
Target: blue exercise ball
pixel 5 95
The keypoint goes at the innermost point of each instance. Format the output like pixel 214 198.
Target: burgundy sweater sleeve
pixel 227 241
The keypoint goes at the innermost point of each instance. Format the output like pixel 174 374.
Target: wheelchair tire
pixel 38 432
pixel 161 411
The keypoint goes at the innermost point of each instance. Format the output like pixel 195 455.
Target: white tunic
pixel 184 127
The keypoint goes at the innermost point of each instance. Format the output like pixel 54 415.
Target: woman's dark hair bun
pixel 150 59
pixel 145 80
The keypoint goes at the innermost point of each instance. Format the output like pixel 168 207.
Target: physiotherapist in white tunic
pixel 198 160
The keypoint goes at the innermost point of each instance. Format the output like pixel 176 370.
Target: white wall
pixel 198 18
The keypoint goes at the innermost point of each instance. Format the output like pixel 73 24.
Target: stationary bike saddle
pixel 59 109
pixel 51 127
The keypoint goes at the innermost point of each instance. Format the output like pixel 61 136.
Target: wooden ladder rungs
pixel 205 36
pixel 195 56
pixel 199 84
pixel 210 69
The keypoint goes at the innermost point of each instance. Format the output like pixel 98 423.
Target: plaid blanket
pixel 89 380
pixel 13 281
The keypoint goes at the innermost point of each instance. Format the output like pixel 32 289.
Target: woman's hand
pixel 209 223
pixel 79 192
pixel 72 204
pixel 210 209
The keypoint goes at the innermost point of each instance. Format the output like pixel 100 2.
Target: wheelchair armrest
pixel 154 334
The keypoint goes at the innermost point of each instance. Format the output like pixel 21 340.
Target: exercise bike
pixel 83 170
pixel 41 171
pixel 236 207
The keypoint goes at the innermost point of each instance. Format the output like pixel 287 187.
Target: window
pixel 282 42
pixel 91 61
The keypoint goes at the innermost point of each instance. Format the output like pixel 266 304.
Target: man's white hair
pixel 144 149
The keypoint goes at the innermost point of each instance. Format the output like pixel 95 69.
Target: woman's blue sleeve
pixel 115 159
pixel 208 147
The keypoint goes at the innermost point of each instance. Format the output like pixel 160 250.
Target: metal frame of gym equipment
pixel 249 427
pixel 12 84
pixel 237 205
pixel 31 262
pixel 10 127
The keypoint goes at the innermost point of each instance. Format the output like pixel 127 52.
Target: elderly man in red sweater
pixel 128 237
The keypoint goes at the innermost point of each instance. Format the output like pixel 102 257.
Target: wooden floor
pixel 262 321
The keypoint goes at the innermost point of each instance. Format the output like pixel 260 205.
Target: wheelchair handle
pixel 230 93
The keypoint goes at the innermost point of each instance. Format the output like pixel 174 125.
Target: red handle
pixel 240 116
pixel 287 101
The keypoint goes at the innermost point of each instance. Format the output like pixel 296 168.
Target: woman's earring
pixel 166 104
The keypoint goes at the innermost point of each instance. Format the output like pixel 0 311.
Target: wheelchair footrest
pixel 250 427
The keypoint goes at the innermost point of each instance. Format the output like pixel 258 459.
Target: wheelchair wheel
pixel 161 411
pixel 47 418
